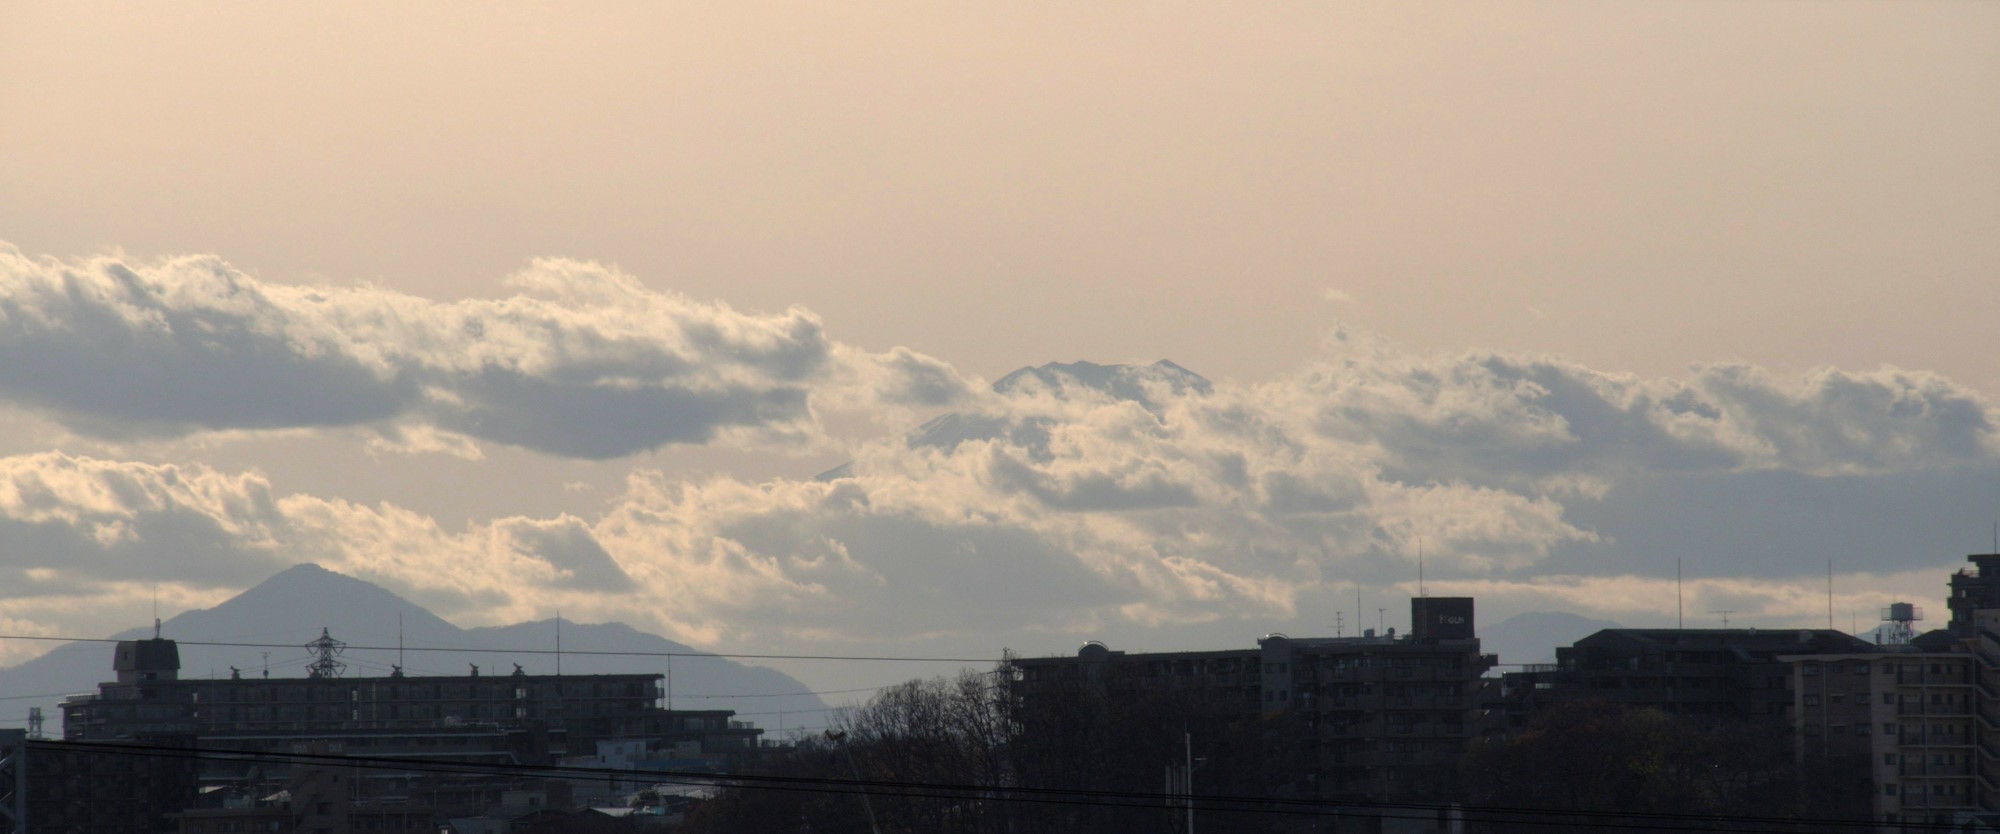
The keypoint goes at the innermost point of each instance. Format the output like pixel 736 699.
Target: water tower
pixel 1900 617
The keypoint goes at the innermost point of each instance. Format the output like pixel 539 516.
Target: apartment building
pixel 557 713
pixel 1375 717
pixel 1921 719
pixel 1906 715
pixel 1710 676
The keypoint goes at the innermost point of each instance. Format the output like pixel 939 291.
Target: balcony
pixel 1934 769
pixel 1946 710
pixel 1908 739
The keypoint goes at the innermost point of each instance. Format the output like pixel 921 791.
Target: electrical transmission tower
pixel 324 651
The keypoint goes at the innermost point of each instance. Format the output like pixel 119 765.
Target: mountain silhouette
pixel 1534 636
pixel 292 607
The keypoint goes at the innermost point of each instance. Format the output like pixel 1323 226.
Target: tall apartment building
pixel 1376 717
pixel 1920 722
pixel 1908 717
pixel 1973 590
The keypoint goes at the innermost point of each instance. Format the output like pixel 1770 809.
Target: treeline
pixel 1077 759
pixel 1580 763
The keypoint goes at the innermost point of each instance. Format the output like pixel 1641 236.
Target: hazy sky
pixel 1565 290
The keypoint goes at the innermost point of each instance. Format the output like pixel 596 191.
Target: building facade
pixel 1909 720
pixel 1371 717
pixel 1711 676
pixel 435 747
pixel 104 788
pixel 556 713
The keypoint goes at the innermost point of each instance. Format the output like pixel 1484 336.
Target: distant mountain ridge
pixel 292 606
pixel 1124 382
pixel 1534 636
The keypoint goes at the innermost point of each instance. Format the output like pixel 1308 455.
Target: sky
pixel 518 307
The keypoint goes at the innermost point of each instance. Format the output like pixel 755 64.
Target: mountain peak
pixel 1124 382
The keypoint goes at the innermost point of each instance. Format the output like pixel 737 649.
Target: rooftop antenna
pixel 1358 620
pixel 1725 615
pixel 1338 623
pixel 156 611
pixel 1378 619
pixel 399 639
pixel 1420 566
pixel 267 663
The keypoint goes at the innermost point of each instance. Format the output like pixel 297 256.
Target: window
pixel 1812 700
pixel 1888 758
pixel 1888 790
pixel 1889 728
pixel 1811 669
pixel 1888 697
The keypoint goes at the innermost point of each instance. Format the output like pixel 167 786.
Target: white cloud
pixel 581 361
pixel 1069 498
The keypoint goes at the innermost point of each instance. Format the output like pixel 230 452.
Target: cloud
pixel 582 361
pixel 1076 498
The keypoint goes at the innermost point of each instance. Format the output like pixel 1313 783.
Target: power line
pixel 690 654
pixel 792 694
pixel 941 790
pixel 44 695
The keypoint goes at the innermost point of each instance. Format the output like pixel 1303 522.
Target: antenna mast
pixel 1680 620
pixel 1725 615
